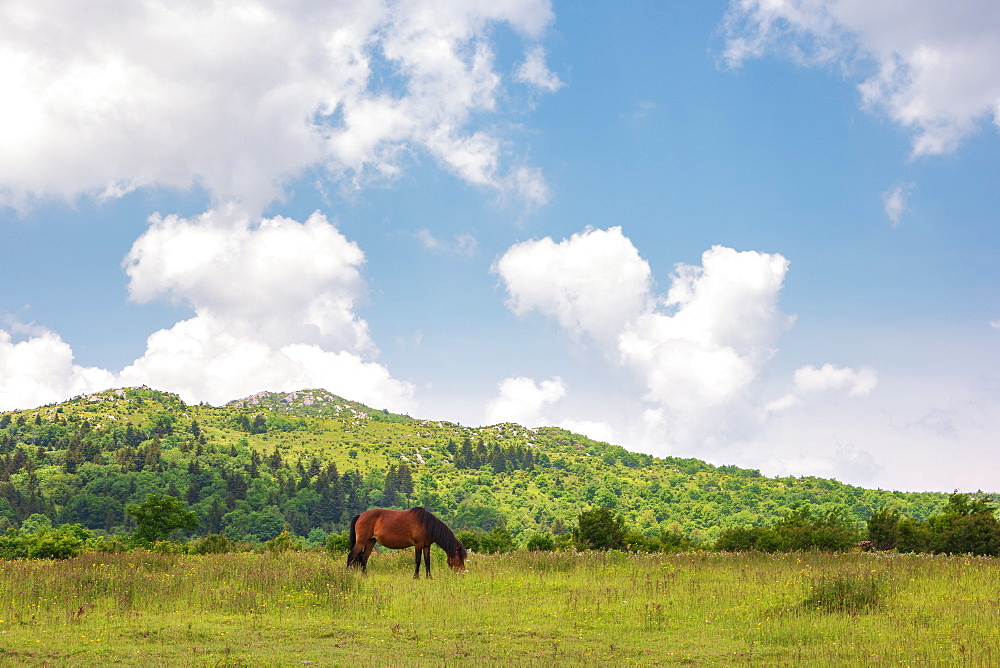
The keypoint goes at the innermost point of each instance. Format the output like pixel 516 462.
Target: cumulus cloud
pixel 706 343
pixel 895 202
pixel 522 400
pixel 39 370
pixel 274 304
pixel 810 380
pixel 696 350
pixel 274 308
pixel 592 283
pixel 103 98
pixel 276 278
pixel 933 62
pixel 534 71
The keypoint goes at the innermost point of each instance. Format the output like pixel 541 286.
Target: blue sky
pixel 764 234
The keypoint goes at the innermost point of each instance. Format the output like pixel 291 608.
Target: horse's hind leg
pixel 357 556
pixel 365 553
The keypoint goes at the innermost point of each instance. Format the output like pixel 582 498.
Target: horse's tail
pixel 351 540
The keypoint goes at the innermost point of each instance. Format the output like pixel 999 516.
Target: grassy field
pixel 523 608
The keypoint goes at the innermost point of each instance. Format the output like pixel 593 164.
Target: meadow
pixel 570 608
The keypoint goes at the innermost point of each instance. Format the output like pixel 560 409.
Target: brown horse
pixel 399 529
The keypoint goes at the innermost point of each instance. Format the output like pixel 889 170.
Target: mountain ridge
pixel 307 459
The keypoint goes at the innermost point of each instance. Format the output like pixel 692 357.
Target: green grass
pixel 522 608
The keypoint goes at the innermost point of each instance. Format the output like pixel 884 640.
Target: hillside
pixel 310 459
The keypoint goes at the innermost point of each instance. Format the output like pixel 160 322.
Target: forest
pixel 307 461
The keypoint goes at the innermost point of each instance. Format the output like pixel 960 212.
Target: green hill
pixel 308 460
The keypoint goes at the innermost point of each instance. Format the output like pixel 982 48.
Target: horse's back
pixel 396 529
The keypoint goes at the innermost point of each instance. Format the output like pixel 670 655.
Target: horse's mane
pixel 439 532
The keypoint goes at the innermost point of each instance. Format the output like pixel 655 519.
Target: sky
pixel 755 232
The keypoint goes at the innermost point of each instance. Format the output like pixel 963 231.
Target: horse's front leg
pixel 427 560
pixel 416 562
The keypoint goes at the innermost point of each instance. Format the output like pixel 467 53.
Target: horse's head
pixel 456 561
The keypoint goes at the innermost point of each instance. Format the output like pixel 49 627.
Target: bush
pixel 213 543
pixel 741 539
pixel 171 547
pixel 967 525
pixel 497 539
pixel 338 542
pixel 316 537
pixel 44 542
pixel 851 593
pixel 799 530
pixel 541 543
pixel 469 538
pixel 968 534
pixel 599 529
pixel 283 542
pixel 883 528
pixel 110 545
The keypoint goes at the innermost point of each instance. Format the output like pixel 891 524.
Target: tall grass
pixel 556 607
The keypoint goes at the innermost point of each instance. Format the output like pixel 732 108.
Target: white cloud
pixel 462 244
pixel 279 279
pixel 895 202
pixel 273 305
pixel 103 98
pixel 858 383
pixel 274 308
pixel 592 283
pixel 934 62
pixel 39 370
pixel 534 71
pixel 696 352
pixel 523 401
pixel 810 380
pixel 699 357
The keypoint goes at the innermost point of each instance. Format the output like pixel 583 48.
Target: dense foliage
pixel 800 529
pixel 306 461
pixel 966 525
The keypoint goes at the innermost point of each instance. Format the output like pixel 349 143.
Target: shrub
pixel 469 538
pixel 741 539
pixel 213 543
pixel 44 542
pixel 975 534
pixel 800 529
pixel 170 547
pixel 883 528
pixel 541 543
pixel 283 542
pixel 497 539
pixel 966 525
pixel 316 537
pixel 600 529
pixel 338 542
pixel 851 593
pixel 110 545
